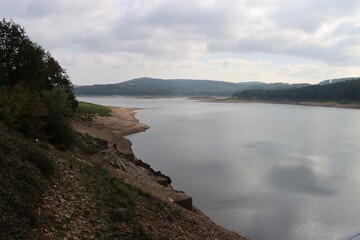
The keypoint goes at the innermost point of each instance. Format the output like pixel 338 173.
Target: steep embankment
pixel 49 194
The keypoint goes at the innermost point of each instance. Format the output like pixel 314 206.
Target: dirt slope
pixel 49 194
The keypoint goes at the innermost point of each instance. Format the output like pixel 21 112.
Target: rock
pixel 162 181
pixel 182 200
pixel 185 202
pixel 145 165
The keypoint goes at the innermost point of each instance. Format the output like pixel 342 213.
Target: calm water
pixel 267 171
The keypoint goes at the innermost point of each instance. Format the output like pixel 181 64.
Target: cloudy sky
pixel 109 41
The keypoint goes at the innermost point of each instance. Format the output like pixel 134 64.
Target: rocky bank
pixel 122 163
pixel 46 193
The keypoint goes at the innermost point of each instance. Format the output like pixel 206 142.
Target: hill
pixel 337 80
pixel 340 91
pixel 175 87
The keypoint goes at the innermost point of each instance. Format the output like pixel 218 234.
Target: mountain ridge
pixel 146 86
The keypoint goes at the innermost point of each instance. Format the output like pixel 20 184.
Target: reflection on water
pixel 301 179
pixel 267 171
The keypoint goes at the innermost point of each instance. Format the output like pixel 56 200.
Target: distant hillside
pixel 343 91
pixel 330 81
pixel 176 87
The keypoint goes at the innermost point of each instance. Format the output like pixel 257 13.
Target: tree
pixel 59 107
pixel 56 76
pixel 20 59
pixel 22 109
pixel 12 37
pixel 36 92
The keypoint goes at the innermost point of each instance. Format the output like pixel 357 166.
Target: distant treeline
pixel 340 91
pixel 176 87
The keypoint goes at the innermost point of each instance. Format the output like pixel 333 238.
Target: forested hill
pixel 340 91
pixel 176 87
pixel 331 81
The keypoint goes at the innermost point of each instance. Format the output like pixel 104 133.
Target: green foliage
pixel 22 109
pixel 36 93
pixel 25 171
pixel 139 191
pixel 176 212
pixel 12 39
pixel 58 128
pixel 347 91
pixel 57 102
pixel 139 233
pixel 86 143
pixel 21 59
pixel 90 110
pixel 56 77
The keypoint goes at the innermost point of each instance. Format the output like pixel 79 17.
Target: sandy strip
pixel 122 122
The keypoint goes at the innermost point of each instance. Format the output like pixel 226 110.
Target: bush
pixel 59 109
pixel 21 109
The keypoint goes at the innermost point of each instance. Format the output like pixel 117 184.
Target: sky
pixel 110 41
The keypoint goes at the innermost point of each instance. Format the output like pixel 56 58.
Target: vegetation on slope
pixel 90 110
pixel 36 94
pixel 25 175
pixel 346 91
pixel 47 194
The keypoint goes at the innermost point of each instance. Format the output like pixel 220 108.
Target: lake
pixel 267 171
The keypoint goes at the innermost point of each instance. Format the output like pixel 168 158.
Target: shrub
pixel 21 109
pixel 59 109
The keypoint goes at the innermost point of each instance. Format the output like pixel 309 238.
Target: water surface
pixel 267 171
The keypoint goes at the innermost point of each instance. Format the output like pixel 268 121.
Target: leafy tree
pixel 12 37
pixel 22 109
pixel 20 59
pixel 59 107
pixel 36 92
pixel 56 76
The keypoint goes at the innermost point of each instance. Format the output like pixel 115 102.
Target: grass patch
pixel 139 233
pixel 25 175
pixel 113 196
pixel 88 144
pixel 139 191
pixel 176 212
pixel 90 110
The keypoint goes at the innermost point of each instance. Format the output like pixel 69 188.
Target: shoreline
pixel 121 161
pixel 301 103
pixel 227 100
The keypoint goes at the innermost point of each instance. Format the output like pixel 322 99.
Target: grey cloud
pixel 40 8
pixel 177 13
pixel 176 21
pixel 176 29
pixel 11 8
pixel 279 44
pixel 308 15
pixel 347 30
